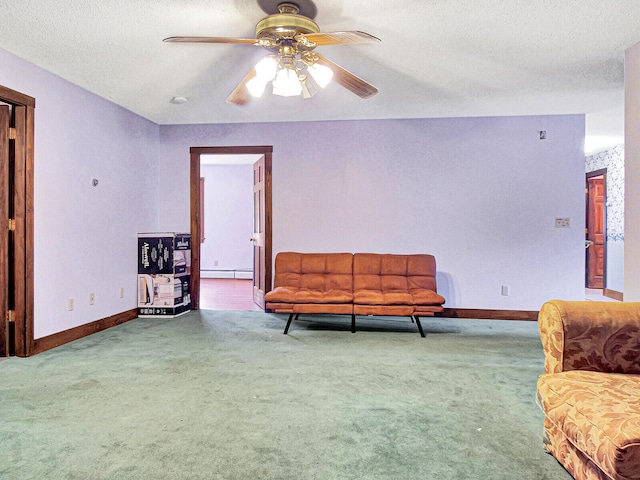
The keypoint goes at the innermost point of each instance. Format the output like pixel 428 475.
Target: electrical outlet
pixel 215 263
pixel 505 291
pixel 563 222
pixel 92 298
pixel 121 292
pixel 70 304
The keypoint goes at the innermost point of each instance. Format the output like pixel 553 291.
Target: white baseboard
pixel 240 274
pixel 216 274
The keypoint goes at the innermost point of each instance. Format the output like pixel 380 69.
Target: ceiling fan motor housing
pixel 286 24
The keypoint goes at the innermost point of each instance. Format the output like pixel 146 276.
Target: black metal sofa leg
pixel 353 323
pixel 418 324
pixel 286 329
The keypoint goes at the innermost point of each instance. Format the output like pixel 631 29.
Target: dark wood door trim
pixel 5 254
pixel 196 229
pixel 195 152
pixel 23 154
pixel 16 98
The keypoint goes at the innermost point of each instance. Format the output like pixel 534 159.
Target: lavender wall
pixel 85 236
pixel 632 174
pixel 228 219
pixel 481 194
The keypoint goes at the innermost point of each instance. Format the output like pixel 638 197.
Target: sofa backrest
pixel 585 335
pixel 385 272
pixel 315 271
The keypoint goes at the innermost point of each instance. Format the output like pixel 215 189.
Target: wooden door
pixel 595 232
pixel 4 230
pixel 258 238
pixel 16 203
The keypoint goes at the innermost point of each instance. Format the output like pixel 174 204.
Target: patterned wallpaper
pixel 613 161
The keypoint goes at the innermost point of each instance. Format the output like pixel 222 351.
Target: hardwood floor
pixel 226 294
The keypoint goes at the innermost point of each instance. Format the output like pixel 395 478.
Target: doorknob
pixel 588 243
pixel 252 239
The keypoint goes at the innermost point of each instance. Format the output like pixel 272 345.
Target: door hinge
pixel 12 224
pixel 11 316
pixel 12 133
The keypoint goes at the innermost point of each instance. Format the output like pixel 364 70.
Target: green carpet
pixel 225 395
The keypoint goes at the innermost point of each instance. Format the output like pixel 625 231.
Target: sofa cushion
pixel 427 310
pixel 426 297
pixel 379 297
pixel 324 308
pixel 305 295
pixel 312 278
pixel 599 413
pixel 385 279
pixel 384 310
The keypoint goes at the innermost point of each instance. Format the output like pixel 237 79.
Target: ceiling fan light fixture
pixel 256 86
pixel 292 66
pixel 321 74
pixel 309 87
pixel 287 83
pixel 266 69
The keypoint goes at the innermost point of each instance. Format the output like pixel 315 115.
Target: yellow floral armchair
pixel 590 391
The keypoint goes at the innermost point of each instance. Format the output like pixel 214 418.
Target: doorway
pixel 261 238
pixel 227 219
pixel 596 230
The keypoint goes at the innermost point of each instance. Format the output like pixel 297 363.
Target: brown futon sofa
pixel 590 391
pixel 355 284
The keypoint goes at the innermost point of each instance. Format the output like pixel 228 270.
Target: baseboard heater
pixel 237 274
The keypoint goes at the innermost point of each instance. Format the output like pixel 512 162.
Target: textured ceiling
pixel 438 58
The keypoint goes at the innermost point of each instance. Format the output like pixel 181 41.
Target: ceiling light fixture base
pixel 305 8
pixel 286 24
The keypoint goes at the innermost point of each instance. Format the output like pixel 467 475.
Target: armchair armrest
pixel 596 336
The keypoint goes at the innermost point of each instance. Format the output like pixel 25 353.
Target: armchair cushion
pixel 598 414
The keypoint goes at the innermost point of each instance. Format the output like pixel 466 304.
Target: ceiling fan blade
pixel 241 95
pixel 246 41
pixel 347 79
pixel 341 38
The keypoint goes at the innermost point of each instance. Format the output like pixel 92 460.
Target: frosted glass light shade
pixel 266 69
pixel 309 87
pixel 256 86
pixel 286 83
pixel 321 74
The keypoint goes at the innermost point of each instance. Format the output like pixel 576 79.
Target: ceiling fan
pixel 293 66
